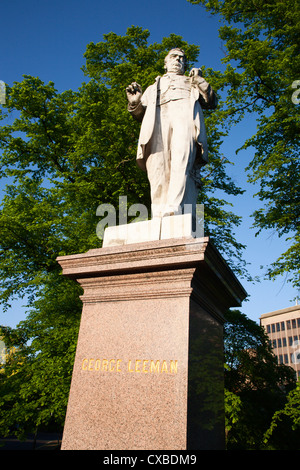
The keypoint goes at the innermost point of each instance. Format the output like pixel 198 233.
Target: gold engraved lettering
pixel 154 366
pixel 173 367
pixel 144 366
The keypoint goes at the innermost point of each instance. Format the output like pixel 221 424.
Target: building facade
pixel 283 329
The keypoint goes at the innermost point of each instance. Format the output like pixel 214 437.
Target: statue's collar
pixel 173 76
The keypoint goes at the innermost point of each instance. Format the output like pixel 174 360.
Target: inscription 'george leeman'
pixel 143 366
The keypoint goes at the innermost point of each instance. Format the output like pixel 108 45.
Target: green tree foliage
pixel 256 386
pixel 262 70
pixel 64 154
pixel 285 422
pixel 35 380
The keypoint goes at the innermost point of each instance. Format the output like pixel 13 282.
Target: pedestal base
pixel 158 228
pixel 148 372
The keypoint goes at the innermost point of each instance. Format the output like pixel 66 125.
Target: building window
pixel 284 342
pixel 290 341
pixel 280 359
pixel 277 326
pixel 288 324
pixel 274 343
pixel 298 322
pixel 268 328
pixel 279 345
pixel 283 325
pixel 286 359
pixel 273 327
pixel 294 323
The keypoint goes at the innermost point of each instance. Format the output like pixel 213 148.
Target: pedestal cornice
pixel 164 268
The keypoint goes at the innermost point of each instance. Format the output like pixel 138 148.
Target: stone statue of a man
pixel 172 144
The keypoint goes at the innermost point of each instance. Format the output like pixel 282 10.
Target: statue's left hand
pixel 195 73
pixel 198 80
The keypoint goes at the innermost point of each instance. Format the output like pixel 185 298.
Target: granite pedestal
pixel 148 372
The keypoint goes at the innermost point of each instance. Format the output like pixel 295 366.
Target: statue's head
pixel 176 61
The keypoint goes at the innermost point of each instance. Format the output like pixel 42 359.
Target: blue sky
pixel 47 39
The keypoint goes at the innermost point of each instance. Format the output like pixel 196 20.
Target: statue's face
pixel 175 62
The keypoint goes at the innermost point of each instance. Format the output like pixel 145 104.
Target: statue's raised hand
pixel 134 93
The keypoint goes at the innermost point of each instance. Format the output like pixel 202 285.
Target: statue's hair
pixel 177 49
